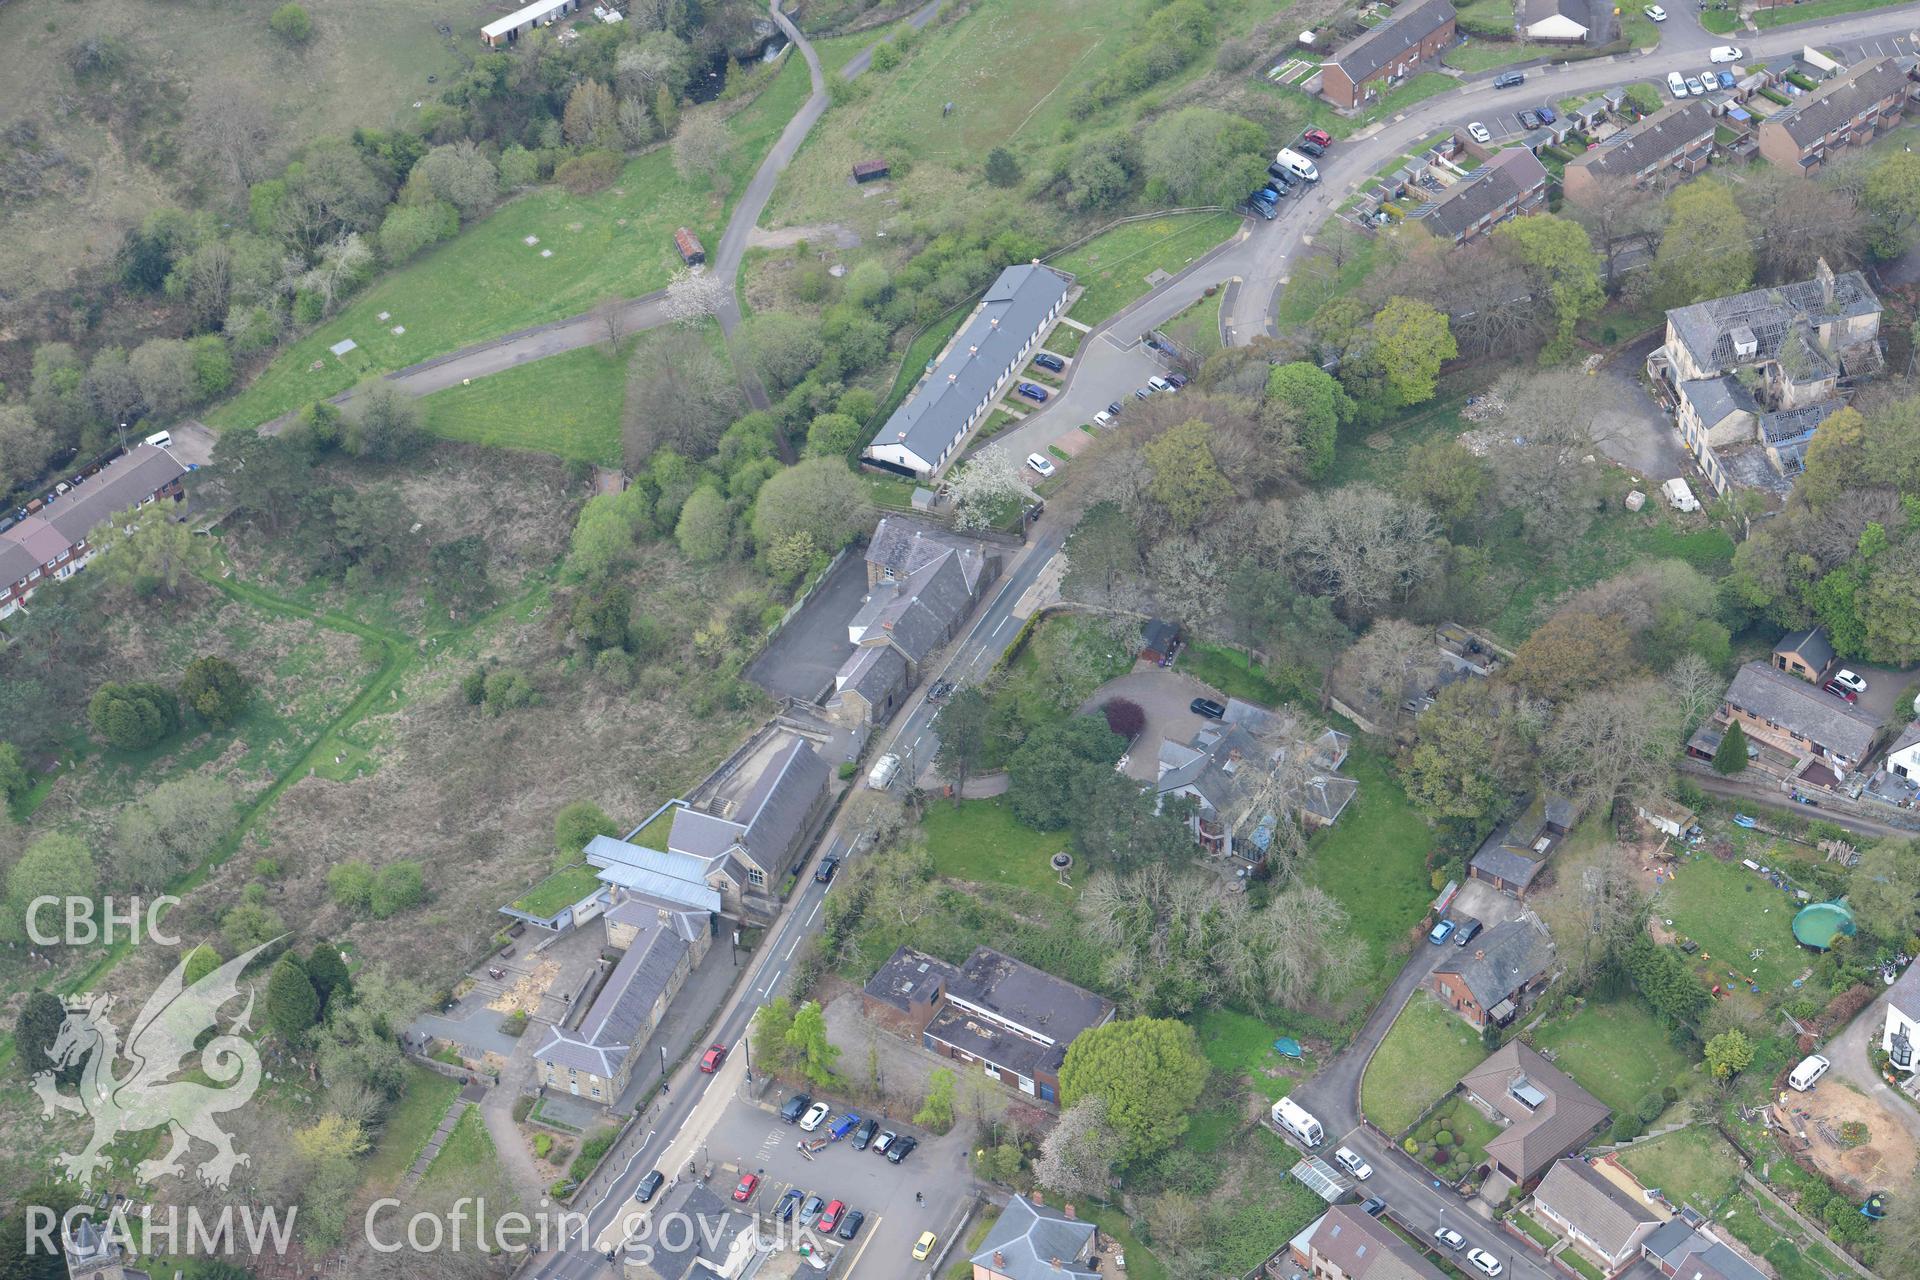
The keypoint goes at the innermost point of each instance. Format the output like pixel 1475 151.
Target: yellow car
pixel 923 1248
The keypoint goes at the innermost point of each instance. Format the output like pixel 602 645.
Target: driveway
pixel 1166 697
pixel 801 660
pixel 1848 1053
pixel 1629 425
pixel 1885 685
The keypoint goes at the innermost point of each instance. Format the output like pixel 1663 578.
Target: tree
pixel 965 731
pixel 1197 155
pixel 808 1047
pixel 34 1033
pixel 988 488
pixel 1898 1234
pixel 328 973
pixel 834 435
pixel 681 394
pixel 201 961
pixel 1149 1072
pixel 1124 716
pixel 1391 658
pixel 1078 1155
pixel 591 118
pixel 215 690
pixel 163 368
pixel 1002 169
pixel 1185 480
pixel 1572 651
pixel 785 347
pixel 1730 757
pixel 771 1023
pixel 692 295
pixel 1892 201
pixel 147 551
pixel 134 716
pixel 1621 216
pixel 1882 889
pixel 56 865
pixel 1558 255
pixel 1705 249
pixel 817 497
pixel 666 109
pixel 1728 1054
pixel 1447 477
pixel 579 822
pixel 1361 546
pixel 292 24
pixel 936 1113
pixel 383 423
pixel 170 830
pixel 458 573
pixel 396 886
pixel 1411 341
pixel 705 530
pixel 1051 773
pixel 462 175
pixel 1318 406
pixel 702 148
pixel 1472 749
pixel 15 781
pixel 1611 743
pixel 292 1005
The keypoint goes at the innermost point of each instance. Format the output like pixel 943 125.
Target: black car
pixel 850 1224
pixel 863 1135
pixel 649 1186
pixel 1177 379
pixel 900 1148
pixel 793 1108
pixel 1053 362
pixel 1207 707
pixel 1114 408
pixel 1467 932
pixel 1373 1207
pixel 1508 79
pixel 1310 147
pixel 1278 172
pixel 828 865
pixel 1529 119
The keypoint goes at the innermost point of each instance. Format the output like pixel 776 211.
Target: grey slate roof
pixel 1532 11
pixel 127 481
pixel 1794 703
pixel 1508 865
pixel 1366 54
pixel 1694 1255
pixel 1840 99
pixel 1602 1212
pixel 1028 1239
pixel 1502 960
pixel 1908 737
pixel 1537 1136
pixel 1506 176
pixel 1904 995
pixel 1714 399
pixel 782 801
pixel 698 1254
pixel 643 911
pixel 901 547
pixel 1707 327
pixel 701 835
pixel 874 671
pixel 1364 1248
pixel 1666 132
pixel 1812 645
pixel 616 1021
pixel 1013 307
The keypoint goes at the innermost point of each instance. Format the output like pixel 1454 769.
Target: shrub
pixel 1650 1107
pixel 215 690
pixel 350 885
pixel 591 1153
pixel 514 1024
pixel 1627 1127
pixel 396 887
pixel 847 769
pixel 542 1144
pixel 292 24
pixel 1444 1138
pixel 134 716
pixel 590 172
pixel 1124 717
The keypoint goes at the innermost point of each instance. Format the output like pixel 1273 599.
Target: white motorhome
pixel 881 775
pixel 1297 164
pixel 1298 1121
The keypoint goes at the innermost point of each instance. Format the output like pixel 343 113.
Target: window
pixel 756 876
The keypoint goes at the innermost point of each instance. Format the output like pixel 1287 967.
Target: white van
pixel 1679 495
pixel 1808 1073
pixel 1297 164
pixel 160 439
pixel 880 777
pixel 1298 1121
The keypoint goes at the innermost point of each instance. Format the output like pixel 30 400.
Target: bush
pixel 1627 1127
pixel 847 769
pixel 1650 1107
pixel 292 24
pixel 1124 717
pixel 395 888
pixel 215 690
pixel 514 1024
pixel 134 716
pixel 350 885
pixel 593 171
pixel 542 1144
pixel 592 1151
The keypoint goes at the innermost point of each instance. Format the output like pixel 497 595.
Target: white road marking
pixel 815 911
pixel 790 950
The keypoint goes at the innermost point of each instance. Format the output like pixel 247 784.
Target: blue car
pixel 843 1126
pixel 1726 80
pixel 1441 932
pixel 1548 115
pixel 1037 394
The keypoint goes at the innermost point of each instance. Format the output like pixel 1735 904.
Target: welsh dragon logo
pixel 147 1096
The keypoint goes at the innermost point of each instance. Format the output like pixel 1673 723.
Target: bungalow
pixel 1599 1216
pixel 1807 654
pixel 1544 1112
pixel 1375 61
pixel 1800 719
pixel 1902 1028
pixel 1494 976
pixel 1512 856
pixel 541 13
pixel 1565 21
pixel 1685 1248
pixel 53 544
pixel 1345 1244
pixel 1031 1241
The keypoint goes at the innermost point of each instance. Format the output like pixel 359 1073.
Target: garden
pixel 1619 1051
pixel 1740 921
pixel 1425 1053
pixel 1691 1166
pixel 1453 1140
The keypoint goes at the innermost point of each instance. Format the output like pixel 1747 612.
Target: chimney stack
pixel 999 1258
pixel 1037 1197
pixel 1068 1210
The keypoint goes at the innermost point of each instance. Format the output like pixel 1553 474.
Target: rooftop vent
pixel 1744 343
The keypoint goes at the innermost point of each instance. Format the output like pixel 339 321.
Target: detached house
pixel 1674 142
pixel 1492 978
pixel 1372 63
pixel 1826 735
pixel 1545 1114
pixel 1807 654
pixel 1901 1031
pixel 1225 759
pixel 1345 1244
pixel 1566 21
pixel 1849 110
pixel 1511 184
pixel 1031 1241
pixel 1903 757
pixel 1684 1248
pixel 1598 1215
pixel 1513 855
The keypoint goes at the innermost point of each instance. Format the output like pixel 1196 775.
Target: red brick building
pixel 1403 45
pixel 52 543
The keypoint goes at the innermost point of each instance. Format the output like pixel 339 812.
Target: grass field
pixel 1235 1042
pixel 408 1126
pixel 1732 912
pixel 1694 1166
pixel 1618 1052
pixel 981 840
pixel 567 405
pixel 1113 268
pixel 1780 15
pixel 1482 55
pixel 467 1159
pixel 1198 327
pixel 488 281
pixel 1297 306
pixel 1423 1057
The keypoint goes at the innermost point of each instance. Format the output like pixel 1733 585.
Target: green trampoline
pixel 1818 924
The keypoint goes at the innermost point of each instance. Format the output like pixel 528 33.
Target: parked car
pixel 851 1226
pixel 863 1137
pixel 1266 210
pixel 1450 1238
pixel 1103 419
pixel 900 1148
pixel 923 1247
pixel 749 1183
pixel 1694 86
pixel 1547 115
pixel 1848 680
pixel 1033 391
pixel 1726 79
pixel 1312 148
pixel 885 1140
pixel 1114 408
pixel 710 1060
pixel 1839 690
pixel 1529 119
pixel 1178 380
pixel 1441 932
pixel 1350 1161
pixel 1207 707
pixel 1484 1262
pixel 1159 384
pixel 1508 79
pixel 1724 53
pixel 830 1217
pixel 1478 132
pixel 788 1203
pixel 1141 393
pixel 815 1117
pixel 1047 360
pixel 649 1186
pixel 811 1210
pixel 842 1126
pixel 1467 932
pixel 1373 1206
pixel 1655 12
pixel 1676 84
pixel 1041 467
pixel 1808 1073
pixel 793 1108
pixel 824 873
pixel 1280 175
pixel 1319 137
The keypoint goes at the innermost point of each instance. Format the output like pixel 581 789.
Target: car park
pixel 1114 408
pixel 1207 707
pixel 1724 53
pixel 649 1186
pixel 842 1126
pixel 815 1117
pixel 1033 391
pixel 1441 932
pixel 851 1226
pixel 1839 690
pixel 1547 114
pixel 1313 149
pixel 923 1247
pixel 1103 419
pixel 1141 393
pixel 1350 1160
pixel 710 1060
pixel 1676 84
pixel 831 1218
pixel 1655 12
pixel 1450 1238
pixel 1265 210
pixel 1467 932
pixel 900 1148
pixel 749 1183
pixel 1848 680
pixel 828 865
pixel 885 1140
pixel 863 1137
pixel 1047 360
pixel 1478 132
pixel 810 1210
pixel 1529 120
pixel 783 1211
pixel 1159 384
pixel 1178 380
pixel 1297 164
pixel 793 1108
pixel 1508 79
pixel 1484 1262
pixel 1041 467
pixel 1694 86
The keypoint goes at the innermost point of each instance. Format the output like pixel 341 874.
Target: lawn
pixel 1141 1265
pixel 1243 1045
pixel 1231 672
pixel 1619 1052
pixel 920 356
pixel 1781 1250
pixel 1469 1130
pixel 408 1126
pixel 567 405
pixel 1483 55
pixel 467 1159
pixel 1297 306
pixel 1542 1235
pixel 1113 268
pixel 1780 15
pixel 1720 23
pixel 1423 1057
pixel 1198 327
pixel 1694 1166
pixel 561 889
pixel 1731 912
pixel 488 281
pixel 981 841
pixel 654 834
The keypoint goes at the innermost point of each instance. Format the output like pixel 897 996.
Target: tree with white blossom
pixel 982 489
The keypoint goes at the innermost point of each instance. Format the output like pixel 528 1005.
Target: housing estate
pixel 593 1055
pixel 920 437
pixel 1345 1244
pixel 1674 142
pixel 1516 853
pixel 1033 1241
pixel 51 543
pixel 1511 183
pixel 1823 737
pixel 922 583
pixel 1545 1114
pixel 1494 977
pixel 1684 1248
pixel 1227 760
pixel 1376 60
pixel 1011 1018
pixel 1752 376
pixel 1902 1027
pixel 1601 1217
pixel 1849 110
pixel 502 32
pixel 1566 21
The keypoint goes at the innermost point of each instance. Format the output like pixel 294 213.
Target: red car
pixel 831 1217
pixel 1319 137
pixel 715 1055
pixel 749 1183
pixel 1838 690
